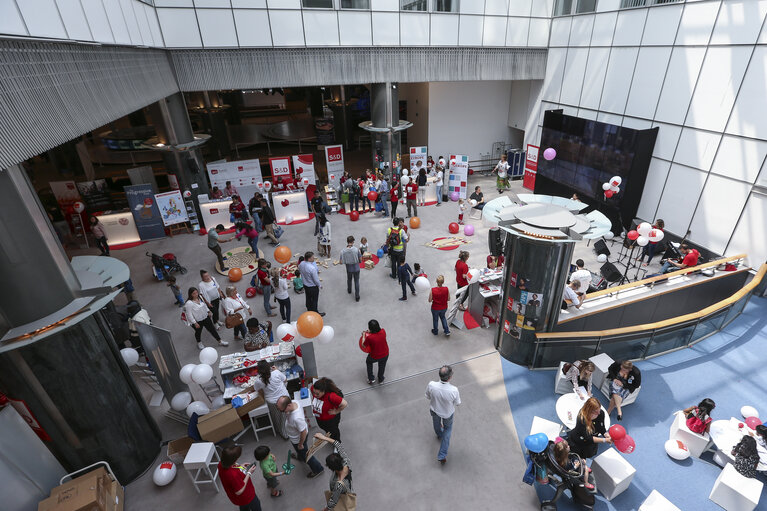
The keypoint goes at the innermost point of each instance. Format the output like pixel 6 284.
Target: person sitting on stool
pixel 691 256
pixel 571 295
pixel 583 276
pixel 479 197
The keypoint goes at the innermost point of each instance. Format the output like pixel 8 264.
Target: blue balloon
pixel 537 442
pixel 380 253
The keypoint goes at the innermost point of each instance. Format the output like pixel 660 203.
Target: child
pixel 462 207
pixel 571 464
pixel 405 273
pixel 417 272
pixel 176 290
pixel 298 282
pixel 256 338
pixel 363 245
pixel 268 464
pixel 699 417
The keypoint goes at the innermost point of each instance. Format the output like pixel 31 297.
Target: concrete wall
pixel 417 97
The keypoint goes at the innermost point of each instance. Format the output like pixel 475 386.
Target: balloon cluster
pixel 623 442
pixel 308 326
pixel 644 234
pixel 612 187
pixel 198 373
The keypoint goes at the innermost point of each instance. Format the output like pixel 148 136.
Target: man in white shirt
pixel 438 185
pixel 298 431
pixel 443 398
pixel 583 276
pixel 571 295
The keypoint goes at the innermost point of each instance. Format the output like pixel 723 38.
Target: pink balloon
pixel 454 196
pixel 753 422
pixel 617 432
pixel 550 153
pixel 468 230
pixel 626 444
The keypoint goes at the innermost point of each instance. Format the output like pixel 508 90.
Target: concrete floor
pixel 386 428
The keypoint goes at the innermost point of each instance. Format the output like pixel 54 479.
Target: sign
pixel 280 167
pixel 66 193
pixel 95 194
pixel 334 156
pixel 26 414
pixel 531 167
pixel 145 213
pixel 459 174
pixel 172 208
pixel 303 165
pixel 240 173
pixel 417 154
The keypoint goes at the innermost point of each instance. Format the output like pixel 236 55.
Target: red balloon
pixel 298 351
pixel 372 195
pixel 453 228
pixel 354 216
pixel 203 231
pixel 250 292
pixel 617 432
pixel 626 445
pixel 753 422
pixel 632 235
pixel 609 193
pixel 364 347
pixel 471 172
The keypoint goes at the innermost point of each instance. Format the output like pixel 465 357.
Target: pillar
pixel 384 113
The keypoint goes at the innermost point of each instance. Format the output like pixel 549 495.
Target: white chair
pixel 254 414
pixel 612 473
pixel 735 492
pixel 200 457
pixel 696 443
pixel 605 388
pixel 551 429
pixel 601 365
pixel 657 502
pixel 561 384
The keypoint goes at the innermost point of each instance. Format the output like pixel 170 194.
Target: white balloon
pixel 606 186
pixel 326 334
pixel 422 284
pixel 267 185
pixel 164 473
pixel 405 180
pixel 643 240
pixel 644 229
pixel 286 332
pixel 218 402
pixel 288 219
pixel 442 161
pixel 202 374
pixel 473 275
pixel 615 189
pixel 748 411
pixel 197 407
pixel 208 356
pixel 185 374
pixel 130 356
pixel 404 171
pixel 616 181
pixel 656 235
pixel 180 401
pixel 609 235
pixel 602 258
pixel 452 163
pixel 473 202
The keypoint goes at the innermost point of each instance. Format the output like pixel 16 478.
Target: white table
pixel 200 457
pixel 568 407
pixel 726 434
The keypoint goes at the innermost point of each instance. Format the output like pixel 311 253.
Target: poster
pixel 280 167
pixel 66 193
pixel 172 208
pixel 95 195
pixel 26 414
pixel 303 165
pixel 417 154
pixel 334 156
pixel 145 213
pixel 240 173
pixel 531 167
pixel 459 174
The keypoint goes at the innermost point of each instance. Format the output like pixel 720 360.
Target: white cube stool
pixel 657 502
pixel 561 384
pixel 601 365
pixel 261 411
pixel 551 429
pixel 735 492
pixel 612 473
pixel 200 457
pixel 696 443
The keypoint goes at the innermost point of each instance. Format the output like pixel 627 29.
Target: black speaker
pixel 494 241
pixel 600 247
pixel 610 272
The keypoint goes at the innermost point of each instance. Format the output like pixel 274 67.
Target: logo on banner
pixel 506 325
pixel 240 169
pixel 213 211
pixel 148 202
pixel 285 203
pixel 334 154
pixel 214 171
pixel 123 221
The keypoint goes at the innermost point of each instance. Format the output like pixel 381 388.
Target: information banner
pixel 95 194
pixel 334 156
pixel 280 167
pixel 417 154
pixel 145 213
pixel 459 175
pixel 531 167
pixel 172 208
pixel 240 173
pixel 304 168
pixel 66 193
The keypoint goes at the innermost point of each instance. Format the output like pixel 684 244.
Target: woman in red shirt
pixel 236 480
pixel 439 297
pixel 327 403
pixel 394 196
pixel 375 338
pixel 461 275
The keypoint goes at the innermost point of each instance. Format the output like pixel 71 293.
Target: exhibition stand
pixel 120 227
pixel 293 204
pixel 215 211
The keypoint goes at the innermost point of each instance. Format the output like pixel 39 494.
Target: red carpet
pixel 126 245
pixel 468 320
pixel 375 261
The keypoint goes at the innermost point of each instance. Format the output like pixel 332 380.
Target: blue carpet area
pixel 729 367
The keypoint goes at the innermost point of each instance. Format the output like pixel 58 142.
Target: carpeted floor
pixel 728 367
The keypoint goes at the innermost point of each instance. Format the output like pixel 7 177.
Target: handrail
pixel 665 323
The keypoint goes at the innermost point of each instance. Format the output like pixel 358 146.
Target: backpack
pixel 394 238
pixel 355 187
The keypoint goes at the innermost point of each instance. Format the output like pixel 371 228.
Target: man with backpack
pixel 395 245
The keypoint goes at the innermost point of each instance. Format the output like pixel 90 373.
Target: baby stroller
pixel 165 265
pixel 561 479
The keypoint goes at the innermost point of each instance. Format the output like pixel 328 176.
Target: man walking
pixel 395 244
pixel 311 277
pixel 213 245
pixel 443 398
pixel 411 192
pixel 298 432
pixel 267 218
pixel 383 195
pixel 351 257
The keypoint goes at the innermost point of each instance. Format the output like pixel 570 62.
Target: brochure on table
pixel 172 208
pixel 293 204
pixel 240 173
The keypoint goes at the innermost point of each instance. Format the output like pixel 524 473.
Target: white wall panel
pixel 444 30
pixel 286 28
pixel 320 27
pixel 573 75
pixel 740 158
pixel 595 77
pixel 496 7
pixel 386 28
pixel 516 31
pixel 539 32
pixel 494 32
pixel 749 116
pixel 143 23
pixel 283 4
pixel 636 124
pixel 749 234
pixel 680 195
pixel 647 82
pixel 355 28
pixel 117 22
pixel 608 5
pixel 653 188
pixel 472 7
pixel 174 3
pixel 762 179
pixel 154 26
pixel 609 118
pixel 249 4
pixel 384 5
pixel 628 30
pixel 74 19
pixel 682 74
pixel 130 20
pixel 697 22
pixel 11 21
pixel 580 30
pixel 179 28
pixel 560 31
pixel 715 219
pixel 587 114
pixel 763 36
pixel 618 79
pixel 520 7
pixel 217 28
pixel 97 20
pixel 666 142
pixel 220 4
pixel 542 8
pixel 569 110
pixel 42 18
pixel 662 22
pixel 555 67
pixel 739 22
pixel 470 33
pixel 414 29
pixel 697 148
pixel 252 27
pixel 604 27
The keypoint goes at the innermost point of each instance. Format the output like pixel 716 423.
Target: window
pixel 355 4
pixel 586 6
pixel 413 5
pixel 317 4
pixel 444 6
pixel 563 7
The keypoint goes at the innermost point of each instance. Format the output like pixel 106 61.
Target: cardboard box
pixel 85 493
pixel 250 405
pixel 115 497
pixel 178 448
pixel 220 424
pixel 369 265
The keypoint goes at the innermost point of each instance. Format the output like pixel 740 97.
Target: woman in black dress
pixel 589 430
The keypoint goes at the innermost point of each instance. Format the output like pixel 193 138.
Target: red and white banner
pixel 417 154
pixel 531 167
pixel 334 156
pixel 240 173
pixel 280 167
pixel 303 165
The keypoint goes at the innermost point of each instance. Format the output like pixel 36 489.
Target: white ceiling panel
pixel 666 142
pixel 516 31
pixel 444 30
pixel 385 28
pixel 74 19
pixel 560 31
pixel 414 29
pixel 604 27
pixel 42 18
pixel 355 28
pixel 580 30
pixel 494 32
pixel 252 27
pixel 286 28
pixel 539 32
pixel 470 30
pixel 555 67
pixel 320 27
pixel 520 7
pixel 749 235
pixel 217 28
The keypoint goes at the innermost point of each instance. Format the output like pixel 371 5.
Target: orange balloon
pixel 308 509
pixel 235 274
pixel 309 324
pixel 415 222
pixel 282 254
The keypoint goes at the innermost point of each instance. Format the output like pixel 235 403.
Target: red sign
pixel 280 167
pixel 213 211
pixel 334 154
pixel 531 167
pixel 23 410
